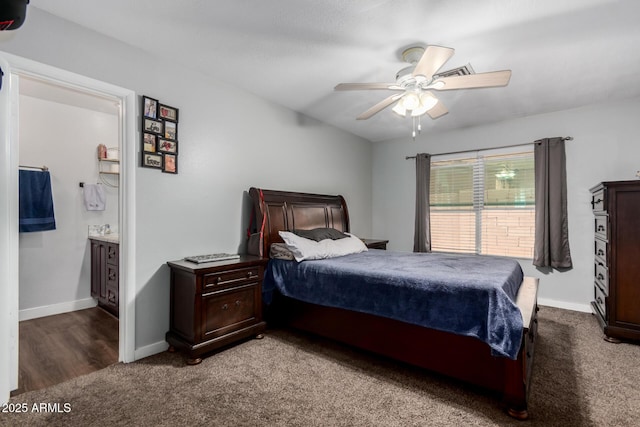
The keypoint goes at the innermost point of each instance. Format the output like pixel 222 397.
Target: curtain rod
pixel 42 168
pixel 566 138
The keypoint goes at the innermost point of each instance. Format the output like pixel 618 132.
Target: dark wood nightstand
pixel 375 243
pixel 214 304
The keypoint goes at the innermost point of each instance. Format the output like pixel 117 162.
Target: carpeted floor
pixel 292 379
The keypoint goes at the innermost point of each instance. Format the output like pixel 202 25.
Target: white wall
pixel 605 148
pixel 229 140
pixel 55 265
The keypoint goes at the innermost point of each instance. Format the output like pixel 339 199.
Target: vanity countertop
pixel 109 238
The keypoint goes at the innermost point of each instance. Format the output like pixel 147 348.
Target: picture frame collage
pixel 159 130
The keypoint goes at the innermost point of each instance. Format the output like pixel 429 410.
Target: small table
pixel 214 304
pixel 375 243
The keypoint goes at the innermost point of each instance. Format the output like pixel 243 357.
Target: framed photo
pixel 149 143
pixel 153 126
pixel 152 160
pixel 167 146
pixel 168 113
pixel 171 130
pixel 170 164
pixel 150 107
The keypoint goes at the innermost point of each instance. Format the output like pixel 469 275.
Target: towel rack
pixel 42 168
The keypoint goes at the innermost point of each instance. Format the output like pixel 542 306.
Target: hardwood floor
pixel 55 349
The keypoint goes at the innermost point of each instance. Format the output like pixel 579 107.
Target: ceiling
pixel 563 53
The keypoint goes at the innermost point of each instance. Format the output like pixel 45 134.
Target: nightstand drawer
pixel 225 311
pixel 230 277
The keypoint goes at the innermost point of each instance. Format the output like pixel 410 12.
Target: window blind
pixel 483 205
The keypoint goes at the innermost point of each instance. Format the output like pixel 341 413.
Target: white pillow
pixel 310 249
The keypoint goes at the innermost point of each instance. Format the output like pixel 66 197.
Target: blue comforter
pixel 464 294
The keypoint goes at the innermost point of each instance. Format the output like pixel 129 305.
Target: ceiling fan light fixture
pixel 410 101
pixel 399 109
pixel 427 102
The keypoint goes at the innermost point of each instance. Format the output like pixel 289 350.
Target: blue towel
pixel 36 201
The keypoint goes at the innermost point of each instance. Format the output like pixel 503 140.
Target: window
pixel 484 205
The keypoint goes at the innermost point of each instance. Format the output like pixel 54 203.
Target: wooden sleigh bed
pixel 461 357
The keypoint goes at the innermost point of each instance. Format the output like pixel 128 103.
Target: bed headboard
pixel 286 211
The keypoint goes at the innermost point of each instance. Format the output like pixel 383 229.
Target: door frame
pixel 14 66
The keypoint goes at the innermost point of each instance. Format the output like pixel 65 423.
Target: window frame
pixel 478 187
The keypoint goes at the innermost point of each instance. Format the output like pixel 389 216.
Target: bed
pixel 474 359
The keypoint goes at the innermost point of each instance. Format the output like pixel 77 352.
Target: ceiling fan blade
pixel 437 110
pixel 491 79
pixel 432 60
pixel 367 86
pixel 379 106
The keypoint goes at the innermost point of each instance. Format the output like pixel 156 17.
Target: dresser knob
pixel 218 279
pixel 600 252
pixel 250 274
pixel 238 302
pixel 225 307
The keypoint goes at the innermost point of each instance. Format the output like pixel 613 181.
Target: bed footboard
pixel 465 358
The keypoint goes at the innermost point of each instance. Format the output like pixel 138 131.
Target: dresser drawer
pixel 600 300
pixel 230 277
pixel 228 310
pixel 112 253
pixel 597 200
pixel 600 226
pixel 601 274
pixel 600 249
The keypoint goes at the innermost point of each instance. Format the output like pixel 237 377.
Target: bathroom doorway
pixel 15 69
pixel 61 334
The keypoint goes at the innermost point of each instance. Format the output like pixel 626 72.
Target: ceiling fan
pixel 415 83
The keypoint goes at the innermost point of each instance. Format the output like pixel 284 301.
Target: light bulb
pixel 399 109
pixel 427 102
pixel 410 101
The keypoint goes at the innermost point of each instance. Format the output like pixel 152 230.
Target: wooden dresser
pixel 616 207
pixel 104 273
pixel 215 304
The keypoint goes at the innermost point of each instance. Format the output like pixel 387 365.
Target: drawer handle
pixel 218 280
pixel 595 202
pixel 600 276
pixel 600 252
pixel 600 301
pixel 600 264
pixel 249 274
pixel 225 307
pixel 601 227
pixel 238 302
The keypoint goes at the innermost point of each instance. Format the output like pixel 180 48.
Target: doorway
pixel 59 131
pixel 14 67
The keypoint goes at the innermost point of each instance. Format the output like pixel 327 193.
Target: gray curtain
pixel 551 247
pixel 422 233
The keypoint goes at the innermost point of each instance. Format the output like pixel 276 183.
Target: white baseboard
pixel 585 308
pixel 150 350
pixel 50 310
